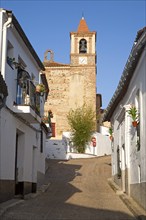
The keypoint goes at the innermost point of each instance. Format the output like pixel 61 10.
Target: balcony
pixel 27 104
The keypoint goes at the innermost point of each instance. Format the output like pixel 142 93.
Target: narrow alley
pixel 78 190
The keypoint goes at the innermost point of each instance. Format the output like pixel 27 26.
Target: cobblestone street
pixel 78 190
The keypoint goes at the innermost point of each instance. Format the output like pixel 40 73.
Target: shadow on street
pixel 78 190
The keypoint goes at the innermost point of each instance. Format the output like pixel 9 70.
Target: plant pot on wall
pixel 134 123
pixel 111 134
pixel 133 113
pixel 40 88
pixel 111 138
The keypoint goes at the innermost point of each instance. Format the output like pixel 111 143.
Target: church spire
pixel 83 26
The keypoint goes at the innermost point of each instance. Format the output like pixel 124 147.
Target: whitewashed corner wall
pixel 62 149
pixel 10 125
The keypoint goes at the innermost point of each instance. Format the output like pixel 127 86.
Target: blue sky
pixel 48 24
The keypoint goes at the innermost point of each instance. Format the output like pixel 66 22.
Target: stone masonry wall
pixel 69 87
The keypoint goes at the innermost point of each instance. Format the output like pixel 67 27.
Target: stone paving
pixel 78 190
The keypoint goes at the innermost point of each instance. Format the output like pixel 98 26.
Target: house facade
pixel 22 132
pixel 129 145
pixel 72 85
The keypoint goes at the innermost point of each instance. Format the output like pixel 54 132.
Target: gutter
pixel 6 25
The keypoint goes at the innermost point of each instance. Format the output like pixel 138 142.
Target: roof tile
pixel 83 26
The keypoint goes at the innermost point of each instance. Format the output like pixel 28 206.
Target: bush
pixel 82 123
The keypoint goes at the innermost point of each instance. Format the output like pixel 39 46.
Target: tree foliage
pixel 82 124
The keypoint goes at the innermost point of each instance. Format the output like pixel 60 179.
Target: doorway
pixel 19 157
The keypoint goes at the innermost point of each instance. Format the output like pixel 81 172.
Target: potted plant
pixel 10 61
pixel 40 88
pixel 45 119
pixel 133 113
pixel 50 114
pixel 111 134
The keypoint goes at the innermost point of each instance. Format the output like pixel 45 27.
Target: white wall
pixel 29 158
pixel 19 49
pixel 104 130
pixel 62 149
pixel 55 149
pixel 134 158
pixel 42 155
pixel 103 145
pixel 9 126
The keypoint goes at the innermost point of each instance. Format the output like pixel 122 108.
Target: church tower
pixel 72 85
pixel 83 65
pixel 83 45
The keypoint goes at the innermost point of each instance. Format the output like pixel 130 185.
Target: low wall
pixel 55 149
pixel 102 148
pixel 78 156
pixel 103 145
pixel 63 149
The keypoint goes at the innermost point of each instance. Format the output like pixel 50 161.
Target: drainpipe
pixel 6 25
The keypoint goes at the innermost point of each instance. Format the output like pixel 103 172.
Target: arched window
pixel 118 163
pixel 83 46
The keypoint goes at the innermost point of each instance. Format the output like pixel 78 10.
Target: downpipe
pixel 6 25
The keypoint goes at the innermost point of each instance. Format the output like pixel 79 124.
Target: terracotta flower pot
pixel 111 138
pixel 134 123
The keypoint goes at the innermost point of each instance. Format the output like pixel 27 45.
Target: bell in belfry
pixel 83 46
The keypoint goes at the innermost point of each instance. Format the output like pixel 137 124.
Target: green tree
pixel 82 124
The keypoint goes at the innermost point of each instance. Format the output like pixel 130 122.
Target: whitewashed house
pixel 22 132
pixel 129 145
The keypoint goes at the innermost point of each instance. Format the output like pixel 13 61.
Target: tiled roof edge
pixel 128 72
pixel 27 42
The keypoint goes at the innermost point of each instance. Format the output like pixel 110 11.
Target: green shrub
pixel 82 124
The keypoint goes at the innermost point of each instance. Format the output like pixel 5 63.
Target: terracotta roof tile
pixel 49 63
pixel 83 26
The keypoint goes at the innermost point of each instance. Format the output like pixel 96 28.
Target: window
pixel 22 87
pixel 139 173
pixel 53 129
pixel 137 104
pixel 22 83
pixel 83 46
pixel 118 163
pixel 138 137
pixel 41 142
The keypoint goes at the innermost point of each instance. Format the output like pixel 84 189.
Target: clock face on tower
pixel 82 60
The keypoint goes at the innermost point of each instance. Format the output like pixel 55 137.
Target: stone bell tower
pixel 72 85
pixel 83 65
pixel 83 46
